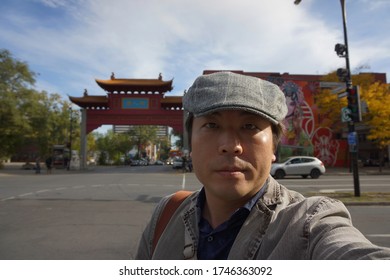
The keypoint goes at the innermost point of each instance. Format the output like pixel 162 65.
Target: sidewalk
pixel 16 168
pixel 362 171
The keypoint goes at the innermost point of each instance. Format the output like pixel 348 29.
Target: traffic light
pixel 341 50
pixel 343 74
pixel 354 103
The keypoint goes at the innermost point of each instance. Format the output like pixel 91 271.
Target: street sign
pixel 346 114
pixel 331 84
pixel 343 94
pixel 338 90
pixel 352 139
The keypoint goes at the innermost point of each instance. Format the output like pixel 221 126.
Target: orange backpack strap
pixel 173 203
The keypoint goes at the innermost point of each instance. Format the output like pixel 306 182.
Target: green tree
pixel 29 117
pixel 143 135
pixel 113 146
pixel 123 143
pixel 164 147
pixel 16 81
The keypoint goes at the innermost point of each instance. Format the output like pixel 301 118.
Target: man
pixel 234 126
pixel 48 162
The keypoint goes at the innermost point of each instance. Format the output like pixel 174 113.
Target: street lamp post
pixel 353 148
pixel 70 138
pixel 343 51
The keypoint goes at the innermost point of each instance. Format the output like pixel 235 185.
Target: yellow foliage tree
pixel 377 97
pixel 330 105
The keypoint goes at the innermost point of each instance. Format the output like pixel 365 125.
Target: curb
pixel 367 203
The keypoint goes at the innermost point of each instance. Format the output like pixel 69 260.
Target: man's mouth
pixel 231 171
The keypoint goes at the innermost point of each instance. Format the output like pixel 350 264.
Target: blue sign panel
pixel 135 103
pixel 352 138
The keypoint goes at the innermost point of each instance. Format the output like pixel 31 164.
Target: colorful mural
pixel 308 132
pixel 304 134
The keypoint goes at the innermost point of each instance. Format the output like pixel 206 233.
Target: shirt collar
pixel 201 200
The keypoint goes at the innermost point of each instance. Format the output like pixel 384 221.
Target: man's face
pixel 232 153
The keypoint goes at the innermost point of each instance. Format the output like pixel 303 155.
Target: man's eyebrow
pixel 242 113
pixel 246 113
pixel 213 114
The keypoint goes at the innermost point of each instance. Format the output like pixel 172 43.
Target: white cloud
pixel 180 38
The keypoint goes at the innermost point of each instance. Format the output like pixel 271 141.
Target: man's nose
pixel 230 143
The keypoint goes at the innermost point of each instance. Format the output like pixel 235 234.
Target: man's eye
pixel 250 126
pixel 210 125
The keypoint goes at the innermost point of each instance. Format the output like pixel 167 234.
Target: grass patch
pixel 376 197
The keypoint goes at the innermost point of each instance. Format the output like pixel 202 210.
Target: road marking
pixel 334 190
pixel 385 235
pixel 8 198
pixel 338 179
pixel 183 185
pixel 25 194
pixel 78 187
pixel 334 185
pixel 42 191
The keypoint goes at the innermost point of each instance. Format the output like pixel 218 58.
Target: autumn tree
pixel 330 105
pixel 377 97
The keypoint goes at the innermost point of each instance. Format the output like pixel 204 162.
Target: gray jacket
pixel 282 225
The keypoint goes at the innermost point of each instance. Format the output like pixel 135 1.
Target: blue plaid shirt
pixel 215 244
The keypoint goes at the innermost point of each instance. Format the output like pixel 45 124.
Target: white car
pixel 177 163
pixel 301 165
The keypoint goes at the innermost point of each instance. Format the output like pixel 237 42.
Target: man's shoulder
pixel 284 197
pixel 276 193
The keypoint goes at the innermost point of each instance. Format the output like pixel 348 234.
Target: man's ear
pixel 273 158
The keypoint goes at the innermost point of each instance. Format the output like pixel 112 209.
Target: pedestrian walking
pixel 38 165
pixel 49 162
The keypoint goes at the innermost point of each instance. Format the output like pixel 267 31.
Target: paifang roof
pixel 135 85
pixel 172 101
pixel 90 101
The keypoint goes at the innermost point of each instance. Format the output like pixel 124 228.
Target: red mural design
pixel 305 136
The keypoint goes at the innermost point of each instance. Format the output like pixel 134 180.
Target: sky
pixel 70 43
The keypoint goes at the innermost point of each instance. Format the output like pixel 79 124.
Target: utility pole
pixel 344 74
pixel 353 102
pixel 70 137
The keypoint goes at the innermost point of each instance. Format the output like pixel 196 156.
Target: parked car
pixel 139 162
pixel 177 163
pixel 371 162
pixel 300 165
pixel 28 166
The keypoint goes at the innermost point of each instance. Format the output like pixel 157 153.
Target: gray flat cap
pixel 230 91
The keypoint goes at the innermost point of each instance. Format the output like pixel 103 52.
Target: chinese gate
pixel 129 102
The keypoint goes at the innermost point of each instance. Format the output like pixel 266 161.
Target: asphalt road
pixel 100 214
